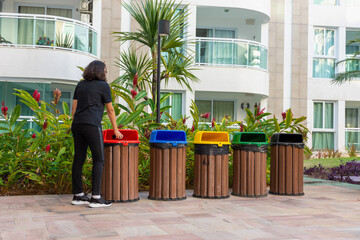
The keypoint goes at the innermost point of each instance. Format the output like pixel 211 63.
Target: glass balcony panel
pixel 323 68
pixel 64 35
pixel 352 137
pixel 241 54
pixel 93 42
pixel 234 52
pixel 81 41
pixel 352 65
pixel 223 53
pixel 44 32
pixel 25 31
pixel 8 30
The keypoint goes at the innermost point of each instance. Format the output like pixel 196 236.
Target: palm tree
pixel 351 74
pixel 177 64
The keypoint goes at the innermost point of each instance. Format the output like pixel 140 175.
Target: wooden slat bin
pixel 286 164
pixel 249 164
pixel 120 176
pixel 211 165
pixel 167 165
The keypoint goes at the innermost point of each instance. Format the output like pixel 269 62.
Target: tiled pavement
pixel 327 211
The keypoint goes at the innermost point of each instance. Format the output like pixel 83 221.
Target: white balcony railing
pixel 231 53
pixel 352 137
pixel 43 31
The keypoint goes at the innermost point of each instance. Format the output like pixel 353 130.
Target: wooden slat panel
pixel 165 174
pixel 158 173
pixel 211 176
pixel 136 169
pixel 108 173
pixel 179 174
pixel 224 175
pixel 236 172
pixel 288 169
pixel 257 173
pixel 263 174
pixel 218 175
pixel 295 170
pixel 203 185
pixel 116 173
pixel 132 154
pixel 301 169
pixel 250 173
pixel 173 166
pixel 282 169
pixel 152 172
pixel 243 173
pixel 124 165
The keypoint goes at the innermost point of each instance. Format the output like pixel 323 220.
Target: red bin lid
pixel 129 136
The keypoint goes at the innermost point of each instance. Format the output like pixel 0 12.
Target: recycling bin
pixel 249 164
pixel 167 165
pixel 286 164
pixel 120 176
pixel 211 164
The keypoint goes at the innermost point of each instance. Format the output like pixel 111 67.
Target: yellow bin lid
pixel 208 137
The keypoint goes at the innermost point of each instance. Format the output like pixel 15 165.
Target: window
pixel 352 50
pixel 176 103
pixel 352 2
pixel 325 2
pixel 217 109
pixel 323 130
pixel 352 134
pixel 324 53
pixel 215 51
pixel 351 118
pixel 60 12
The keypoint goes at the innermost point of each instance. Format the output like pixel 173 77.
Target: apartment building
pixel 277 54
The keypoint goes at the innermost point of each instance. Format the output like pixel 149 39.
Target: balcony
pixel 43 31
pixel 352 137
pixel 224 52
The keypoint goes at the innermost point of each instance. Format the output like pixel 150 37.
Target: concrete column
pixel 265 34
pixel 341 47
pixel 191 29
pixel 189 97
pixel 97 12
pixel 340 126
pixel 287 54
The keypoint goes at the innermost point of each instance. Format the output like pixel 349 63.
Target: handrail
pixel 78 40
pixel 234 40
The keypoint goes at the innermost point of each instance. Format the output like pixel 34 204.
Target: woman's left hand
pixel 118 134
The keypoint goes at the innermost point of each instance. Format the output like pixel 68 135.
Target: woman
pixel 90 96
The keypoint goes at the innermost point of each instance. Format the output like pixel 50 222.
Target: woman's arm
pixel 111 114
pixel 73 108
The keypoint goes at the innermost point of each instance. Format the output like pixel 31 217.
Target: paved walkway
pixel 327 211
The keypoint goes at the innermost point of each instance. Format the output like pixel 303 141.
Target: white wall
pixel 42 63
pixel 10 6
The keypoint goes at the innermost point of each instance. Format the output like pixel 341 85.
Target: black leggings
pixel 85 136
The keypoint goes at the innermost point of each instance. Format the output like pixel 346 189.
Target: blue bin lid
pixel 174 137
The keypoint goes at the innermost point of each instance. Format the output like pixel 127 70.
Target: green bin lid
pixel 250 138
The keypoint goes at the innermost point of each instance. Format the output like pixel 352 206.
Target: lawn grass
pixel 328 162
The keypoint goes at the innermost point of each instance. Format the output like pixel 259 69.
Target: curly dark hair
pixel 95 71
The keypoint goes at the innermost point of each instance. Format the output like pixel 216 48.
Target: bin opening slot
pixel 128 135
pixel 173 136
pixel 214 137
pixel 290 138
pixel 253 137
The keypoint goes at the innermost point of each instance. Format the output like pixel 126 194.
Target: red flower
pixel 193 128
pixel 4 109
pixel 133 94
pixel 47 149
pixel 213 123
pixel 48 42
pixel 34 135
pixel 184 120
pixel 283 114
pixel 45 124
pixel 261 112
pixel 40 38
pixel 57 94
pixel 241 128
pixel 120 126
pixel 135 80
pixel 36 95
pixel 205 115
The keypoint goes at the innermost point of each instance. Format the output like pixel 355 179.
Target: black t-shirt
pixel 91 96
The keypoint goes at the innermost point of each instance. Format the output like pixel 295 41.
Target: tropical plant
pixel 64 40
pixel 351 151
pixel 348 75
pixel 3 40
pixel 176 65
